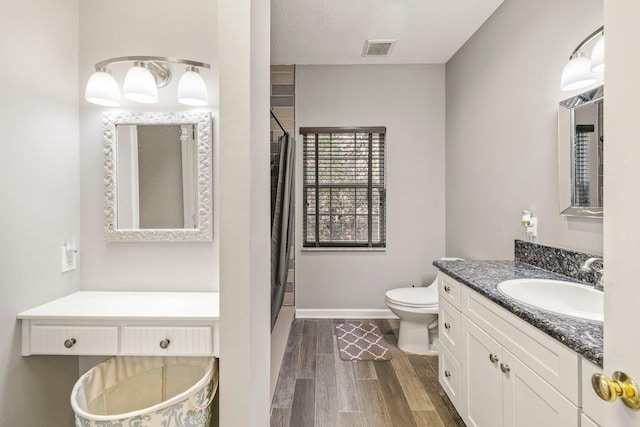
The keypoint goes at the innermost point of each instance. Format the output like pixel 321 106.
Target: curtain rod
pixel 278 122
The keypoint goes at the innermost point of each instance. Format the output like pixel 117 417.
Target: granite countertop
pixel 582 336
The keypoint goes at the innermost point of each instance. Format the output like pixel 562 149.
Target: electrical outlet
pixel 68 259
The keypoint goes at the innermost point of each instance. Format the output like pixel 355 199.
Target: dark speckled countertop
pixel 582 336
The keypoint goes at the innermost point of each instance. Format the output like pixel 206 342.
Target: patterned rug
pixel 361 341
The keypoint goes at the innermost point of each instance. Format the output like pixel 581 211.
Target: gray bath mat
pixel 361 341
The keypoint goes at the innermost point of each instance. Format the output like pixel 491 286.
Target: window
pixel 344 187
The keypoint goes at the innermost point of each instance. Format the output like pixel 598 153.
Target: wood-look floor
pixel 316 388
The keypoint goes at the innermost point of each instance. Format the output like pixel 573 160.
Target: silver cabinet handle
pixel 505 368
pixel 447 326
pixel 447 374
pixel 493 358
pixel 447 289
pixel 165 343
pixel 70 342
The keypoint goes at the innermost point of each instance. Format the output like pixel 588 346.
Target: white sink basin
pixel 566 298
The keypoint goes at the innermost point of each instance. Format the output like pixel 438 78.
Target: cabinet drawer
pixel 180 341
pixel 449 328
pixel 555 363
pixel 449 376
pixel 86 340
pixel 449 289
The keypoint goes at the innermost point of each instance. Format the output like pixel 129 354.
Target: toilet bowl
pixel 417 308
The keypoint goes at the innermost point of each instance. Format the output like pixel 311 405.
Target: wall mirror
pixel 580 144
pixel 158 177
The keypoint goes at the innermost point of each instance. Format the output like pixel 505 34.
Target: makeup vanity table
pixel 124 323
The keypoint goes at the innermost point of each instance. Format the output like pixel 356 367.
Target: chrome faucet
pixel 589 266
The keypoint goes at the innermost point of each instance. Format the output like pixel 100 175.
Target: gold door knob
pixel 619 385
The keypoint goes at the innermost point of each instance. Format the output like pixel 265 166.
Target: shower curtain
pixel 282 225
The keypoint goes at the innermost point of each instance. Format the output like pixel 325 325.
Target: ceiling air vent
pixel 377 47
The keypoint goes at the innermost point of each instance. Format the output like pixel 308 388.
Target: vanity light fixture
pixel 142 81
pixel 579 71
pixel 191 88
pixel 140 85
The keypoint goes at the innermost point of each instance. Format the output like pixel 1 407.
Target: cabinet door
pixel 529 401
pixel 481 377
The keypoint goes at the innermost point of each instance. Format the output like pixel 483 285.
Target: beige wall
pixel 409 101
pixel 115 28
pixel 502 102
pixel 39 184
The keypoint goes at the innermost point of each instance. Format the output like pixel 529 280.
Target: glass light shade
pixel 192 90
pixel 577 74
pixel 597 57
pixel 140 85
pixel 102 89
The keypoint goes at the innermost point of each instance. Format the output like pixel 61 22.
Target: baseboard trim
pixel 344 313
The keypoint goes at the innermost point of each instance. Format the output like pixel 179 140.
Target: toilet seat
pixel 420 297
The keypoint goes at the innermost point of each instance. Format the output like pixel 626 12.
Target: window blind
pixel 344 187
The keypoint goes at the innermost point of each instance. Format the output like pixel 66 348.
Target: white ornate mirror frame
pixel 204 232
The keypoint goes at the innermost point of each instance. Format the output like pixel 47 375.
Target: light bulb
pixel 191 89
pixel 140 85
pixel 577 73
pixel 597 57
pixel 102 89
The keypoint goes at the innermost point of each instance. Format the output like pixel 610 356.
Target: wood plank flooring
pixel 316 388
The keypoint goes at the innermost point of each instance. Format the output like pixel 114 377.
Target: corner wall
pixel 503 89
pixel 409 101
pixel 113 28
pixel 39 183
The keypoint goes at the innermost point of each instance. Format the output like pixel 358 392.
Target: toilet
pixel 417 308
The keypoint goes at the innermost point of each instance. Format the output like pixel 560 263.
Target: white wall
pixel 410 101
pixel 244 213
pixel 502 102
pixel 39 184
pixel 185 29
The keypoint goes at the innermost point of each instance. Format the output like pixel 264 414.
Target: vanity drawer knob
pixel 70 342
pixel 447 288
pixel 447 374
pixel 493 358
pixel 165 343
pixel 505 368
pixel 447 326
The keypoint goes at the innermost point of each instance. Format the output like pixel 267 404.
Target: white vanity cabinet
pixel 124 323
pixel 509 372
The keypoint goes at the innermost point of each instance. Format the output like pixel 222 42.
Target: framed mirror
pixel 157 175
pixel 580 148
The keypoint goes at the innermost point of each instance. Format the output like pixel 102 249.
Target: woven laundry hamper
pixel 146 392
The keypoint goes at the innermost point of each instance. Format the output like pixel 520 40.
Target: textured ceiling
pixel 334 31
